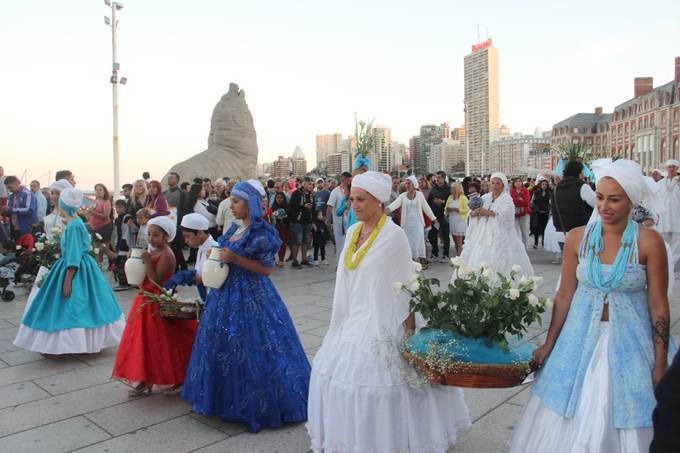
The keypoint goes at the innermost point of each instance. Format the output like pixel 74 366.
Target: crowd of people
pixel 608 348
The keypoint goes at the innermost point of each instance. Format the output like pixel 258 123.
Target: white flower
pixel 533 300
pixel 398 287
pixel 57 256
pixel 513 293
pixel 96 251
pixel 18 247
pixel 39 246
pixel 524 280
pixel 483 265
pixel 516 268
pixel 488 273
pixel 457 261
pixel 56 229
pixel 463 272
pixel 414 285
pixel 537 281
pixel 99 236
pixel 417 267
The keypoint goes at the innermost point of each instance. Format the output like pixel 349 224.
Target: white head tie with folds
pixel 639 188
pixel 377 184
pixel 165 224
pixel 502 177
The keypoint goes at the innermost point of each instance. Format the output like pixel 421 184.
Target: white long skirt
pixel 552 237
pixel 416 239
pixel 591 429
pixel 357 405
pixel 70 341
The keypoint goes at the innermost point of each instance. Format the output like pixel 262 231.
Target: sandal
pixel 174 390
pixel 139 390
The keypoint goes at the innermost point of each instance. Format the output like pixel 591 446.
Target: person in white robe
pixel 413 206
pixel 491 237
pixel 357 401
pixel 669 214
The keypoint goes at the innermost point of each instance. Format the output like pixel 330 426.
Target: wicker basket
pixel 474 375
pixel 179 310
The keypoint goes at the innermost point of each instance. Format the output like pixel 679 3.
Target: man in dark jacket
pixel 177 198
pixel 573 200
pixel 22 208
pixel 667 412
pixel 437 200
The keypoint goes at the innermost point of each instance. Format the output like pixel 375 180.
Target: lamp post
pixel 467 141
pixel 113 23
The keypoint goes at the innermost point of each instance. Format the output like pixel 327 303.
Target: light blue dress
pixel 91 304
pixel 631 347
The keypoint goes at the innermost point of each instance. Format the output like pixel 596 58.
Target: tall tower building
pixel 325 145
pixel 481 102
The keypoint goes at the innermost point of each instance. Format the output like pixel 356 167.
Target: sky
pixel 306 67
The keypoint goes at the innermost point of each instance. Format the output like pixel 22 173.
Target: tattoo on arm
pixel 661 331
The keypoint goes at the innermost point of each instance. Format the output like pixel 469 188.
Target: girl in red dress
pixel 154 350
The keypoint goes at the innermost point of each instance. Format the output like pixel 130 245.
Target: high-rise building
pixel 481 103
pixel 379 155
pixel 325 145
pixel 510 154
pixel 449 156
pixel 334 164
pixel 414 153
pixel 430 134
pixel 281 167
pixel 298 163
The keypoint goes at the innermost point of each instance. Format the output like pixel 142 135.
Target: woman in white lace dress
pixel 492 237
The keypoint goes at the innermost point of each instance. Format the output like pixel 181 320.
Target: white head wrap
pixel 377 184
pixel 639 188
pixel 257 185
pixel 167 225
pixel 73 198
pixel 61 185
pixel 673 162
pixel 413 180
pixel 195 221
pixel 502 177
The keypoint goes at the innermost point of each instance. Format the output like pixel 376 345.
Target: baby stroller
pixel 8 269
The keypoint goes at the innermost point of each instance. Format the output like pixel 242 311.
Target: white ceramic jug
pixel 214 272
pixel 135 270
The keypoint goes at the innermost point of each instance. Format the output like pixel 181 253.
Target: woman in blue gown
pixel 247 364
pixel 75 310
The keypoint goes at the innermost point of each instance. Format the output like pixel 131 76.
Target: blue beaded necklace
pixel 618 268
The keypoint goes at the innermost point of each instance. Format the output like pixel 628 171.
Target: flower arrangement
pixel 469 324
pixel 169 305
pixel 365 136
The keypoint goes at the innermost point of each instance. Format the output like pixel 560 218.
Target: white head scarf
pixel 673 162
pixel 413 180
pixel 70 200
pixel 61 185
pixel 502 177
pixel 258 186
pixel 195 221
pixel 167 225
pixel 377 184
pixel 639 188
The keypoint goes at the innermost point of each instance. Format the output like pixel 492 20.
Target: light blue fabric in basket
pixel 450 345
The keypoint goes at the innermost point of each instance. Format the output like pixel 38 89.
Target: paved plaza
pixel 71 404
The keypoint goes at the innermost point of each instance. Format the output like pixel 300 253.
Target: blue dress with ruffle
pixel 247 364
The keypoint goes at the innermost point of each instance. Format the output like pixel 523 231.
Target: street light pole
pixel 113 23
pixel 467 141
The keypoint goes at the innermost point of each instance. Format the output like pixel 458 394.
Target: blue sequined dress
pixel 247 363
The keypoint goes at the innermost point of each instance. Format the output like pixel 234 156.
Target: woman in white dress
pixel 413 206
pixel 357 403
pixel 492 237
pixel 608 344
pixel 457 210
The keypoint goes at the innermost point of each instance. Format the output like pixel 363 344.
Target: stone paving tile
pixel 8 346
pixel 481 401
pixel 303 324
pixel 50 410
pixel 182 434
pixel 63 436
pixel 319 331
pixel 310 341
pixel 20 356
pixel 226 427
pixel 8 333
pixel 139 413
pixel 34 370
pixel 5 324
pixel 24 392
pixel 71 381
pixel 105 357
pixel 491 433
pixel 289 439
pixel 3 364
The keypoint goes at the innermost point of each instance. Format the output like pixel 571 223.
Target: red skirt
pixel 154 350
